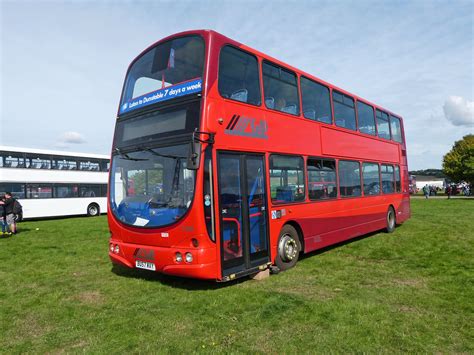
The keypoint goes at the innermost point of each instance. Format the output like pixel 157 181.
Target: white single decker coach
pixel 54 183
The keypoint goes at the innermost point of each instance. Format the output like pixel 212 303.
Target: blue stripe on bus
pixel 171 92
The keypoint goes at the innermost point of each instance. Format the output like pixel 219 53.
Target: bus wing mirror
pixel 194 156
pixel 196 145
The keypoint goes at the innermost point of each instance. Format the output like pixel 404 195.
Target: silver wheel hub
pixel 287 248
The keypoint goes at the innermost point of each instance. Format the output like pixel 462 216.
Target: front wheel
pixel 288 248
pixel 391 220
pixel 93 210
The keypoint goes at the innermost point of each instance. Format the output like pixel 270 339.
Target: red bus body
pixel 318 223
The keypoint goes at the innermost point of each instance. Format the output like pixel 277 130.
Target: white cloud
pixel 71 137
pixel 459 111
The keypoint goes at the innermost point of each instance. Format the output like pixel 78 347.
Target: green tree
pixel 458 163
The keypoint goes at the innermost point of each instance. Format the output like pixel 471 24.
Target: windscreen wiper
pixel 162 155
pixel 126 156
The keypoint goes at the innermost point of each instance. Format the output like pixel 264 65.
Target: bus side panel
pixel 328 222
pixel 350 219
pixel 37 208
pixel 339 143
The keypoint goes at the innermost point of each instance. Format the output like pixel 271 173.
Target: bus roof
pixel 52 152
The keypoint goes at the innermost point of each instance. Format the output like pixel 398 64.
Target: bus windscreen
pixel 168 70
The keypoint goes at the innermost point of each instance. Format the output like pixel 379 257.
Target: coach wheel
pixel 93 210
pixel 391 220
pixel 288 248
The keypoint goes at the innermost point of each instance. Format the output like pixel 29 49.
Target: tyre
pixel 391 220
pixel 93 210
pixel 288 248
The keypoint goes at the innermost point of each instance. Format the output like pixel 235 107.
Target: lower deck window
pixel 321 179
pixel 398 186
pixel 371 176
pixel 287 181
pixel 39 191
pixel 17 190
pixel 388 182
pixel 349 178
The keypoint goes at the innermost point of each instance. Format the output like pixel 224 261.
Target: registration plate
pixel 145 265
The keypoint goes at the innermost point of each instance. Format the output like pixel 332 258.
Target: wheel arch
pixel 95 204
pixel 299 230
pixel 394 212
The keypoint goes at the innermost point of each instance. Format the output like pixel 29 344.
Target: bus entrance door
pixel 243 212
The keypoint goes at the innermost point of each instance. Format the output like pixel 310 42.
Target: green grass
pixel 410 291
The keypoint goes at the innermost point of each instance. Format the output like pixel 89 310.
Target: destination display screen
pixel 166 122
pixel 157 125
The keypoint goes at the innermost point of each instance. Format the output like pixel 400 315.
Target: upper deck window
pixel 8 160
pixel 396 129
pixel 281 89
pixel 383 127
pixel 169 63
pixel 316 102
pixel 366 118
pixel 344 111
pixel 238 76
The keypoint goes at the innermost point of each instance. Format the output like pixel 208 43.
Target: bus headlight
pixel 111 248
pixel 189 257
pixel 178 257
pixel 117 249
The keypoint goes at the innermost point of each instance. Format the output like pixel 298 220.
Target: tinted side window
pixel 281 90
pixel 396 129
pixel 366 118
pixel 103 190
pixel 39 162
pixel 387 179
pixel 287 182
pixel 316 102
pixel 383 128
pixel 321 179
pixel 238 76
pixel 398 186
pixel 349 178
pixel 17 190
pixel 344 112
pixel 89 191
pixel 13 161
pixel 65 191
pixel 89 165
pixel 39 191
pixel 371 177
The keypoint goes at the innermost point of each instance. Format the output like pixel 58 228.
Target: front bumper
pixel 203 266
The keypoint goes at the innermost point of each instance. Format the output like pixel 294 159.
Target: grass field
pixel 410 291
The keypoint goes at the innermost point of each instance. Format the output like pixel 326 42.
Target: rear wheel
pixel 288 248
pixel 93 210
pixel 391 220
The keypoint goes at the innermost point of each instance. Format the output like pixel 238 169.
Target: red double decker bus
pixel 226 161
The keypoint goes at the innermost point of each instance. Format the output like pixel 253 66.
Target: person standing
pixel 426 191
pixel 3 221
pixel 8 203
pixel 449 190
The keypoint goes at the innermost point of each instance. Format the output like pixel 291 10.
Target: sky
pixel 62 63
